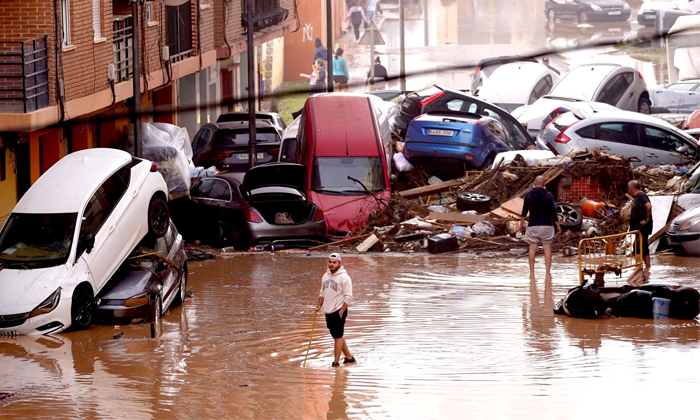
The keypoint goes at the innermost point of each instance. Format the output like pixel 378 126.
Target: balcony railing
pixel 24 75
pixel 122 39
pixel 179 28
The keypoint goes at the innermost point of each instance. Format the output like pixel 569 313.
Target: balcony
pixel 122 39
pixel 179 27
pixel 266 13
pixel 24 76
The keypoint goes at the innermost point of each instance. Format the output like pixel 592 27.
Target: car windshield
pixel 428 92
pixel 565 120
pixel 581 82
pixel 37 240
pixel 332 175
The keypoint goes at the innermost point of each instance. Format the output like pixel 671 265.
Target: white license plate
pixel 444 133
pixel 616 12
pixel 245 155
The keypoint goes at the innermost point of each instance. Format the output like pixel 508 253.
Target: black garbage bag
pixel 581 302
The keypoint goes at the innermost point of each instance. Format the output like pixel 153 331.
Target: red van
pixel 344 140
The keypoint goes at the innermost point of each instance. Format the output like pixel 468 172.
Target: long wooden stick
pixel 310 338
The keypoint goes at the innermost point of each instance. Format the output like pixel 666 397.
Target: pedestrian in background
pixel 341 75
pixel 356 16
pixel 545 61
pixel 542 220
pixel 370 11
pixel 317 77
pixel 381 76
pixel 319 51
pixel 640 219
pixel 335 298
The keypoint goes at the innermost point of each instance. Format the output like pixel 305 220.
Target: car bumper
pixel 416 151
pixel 53 322
pixel 690 241
pixel 107 312
pixel 606 16
pixel 266 232
pixel 647 19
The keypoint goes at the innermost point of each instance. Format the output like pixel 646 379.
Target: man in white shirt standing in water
pixel 334 299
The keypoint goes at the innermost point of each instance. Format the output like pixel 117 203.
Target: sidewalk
pixel 357 56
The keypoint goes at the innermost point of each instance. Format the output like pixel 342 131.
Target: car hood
pixel 653 6
pixel 346 212
pixel 23 290
pixel 282 174
pixel 127 284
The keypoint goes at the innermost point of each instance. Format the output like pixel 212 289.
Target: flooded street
pixel 435 337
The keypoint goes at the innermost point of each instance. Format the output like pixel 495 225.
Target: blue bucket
pixel 660 307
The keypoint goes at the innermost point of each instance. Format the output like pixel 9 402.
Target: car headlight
pixel 626 6
pixel 690 223
pixel 138 300
pixel 47 305
pixel 597 8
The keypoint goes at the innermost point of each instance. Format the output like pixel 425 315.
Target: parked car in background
pixel 148 283
pixel 242 116
pixel 584 11
pixel 649 8
pixel 619 86
pixel 684 232
pixel 487 66
pixel 681 97
pixel 70 232
pixel 225 146
pixel 622 133
pixel 270 205
pixel 454 137
pixel 570 34
pixel 288 147
pixel 516 84
pixel 437 99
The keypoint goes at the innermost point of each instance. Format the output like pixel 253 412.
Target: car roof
pixel 70 182
pixel 237 125
pixel 629 116
pixel 507 83
pixel 344 125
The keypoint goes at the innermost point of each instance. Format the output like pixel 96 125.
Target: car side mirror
pixel 88 242
pixel 682 150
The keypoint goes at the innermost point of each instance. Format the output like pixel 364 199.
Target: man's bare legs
pixel 340 346
pixel 532 253
pixel 548 260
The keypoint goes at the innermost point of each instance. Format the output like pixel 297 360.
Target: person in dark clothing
pixel 317 78
pixel 319 51
pixel 640 219
pixel 381 76
pixel 356 15
pixel 539 203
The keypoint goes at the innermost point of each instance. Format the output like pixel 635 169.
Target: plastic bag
pixel 402 164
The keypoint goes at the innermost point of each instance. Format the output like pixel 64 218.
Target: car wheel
pixel 644 106
pixel 473 201
pixel 182 292
pixel 82 309
pixel 551 15
pixel 582 17
pixel 158 217
pixel 569 216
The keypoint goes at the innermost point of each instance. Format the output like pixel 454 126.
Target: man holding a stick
pixel 334 299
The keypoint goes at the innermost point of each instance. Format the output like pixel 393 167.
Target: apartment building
pixel 66 73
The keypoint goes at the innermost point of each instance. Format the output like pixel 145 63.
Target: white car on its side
pixel 70 232
pixel 516 84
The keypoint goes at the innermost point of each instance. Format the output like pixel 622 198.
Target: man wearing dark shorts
pixel 334 299
pixel 640 218
pixel 540 225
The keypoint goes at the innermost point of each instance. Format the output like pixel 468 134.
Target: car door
pixel 108 251
pixel 620 139
pixel 212 205
pixel 618 92
pixel 672 96
pixel 690 101
pixel 664 147
pixel 169 273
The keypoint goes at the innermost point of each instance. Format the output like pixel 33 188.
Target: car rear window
pixel 582 82
pixel 230 138
pixel 565 120
pixel 242 117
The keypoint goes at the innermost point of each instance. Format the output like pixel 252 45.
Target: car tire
pixel 582 17
pixel 473 201
pixel 182 291
pixel 158 217
pixel 570 217
pixel 644 106
pixel 551 15
pixel 82 309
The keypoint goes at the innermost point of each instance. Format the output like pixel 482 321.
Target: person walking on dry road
pixel 640 219
pixel 335 298
pixel 539 203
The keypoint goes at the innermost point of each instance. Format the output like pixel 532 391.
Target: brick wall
pixel 232 10
pixel 580 187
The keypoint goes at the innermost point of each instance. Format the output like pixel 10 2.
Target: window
pixel 37 240
pixel 541 88
pixel 582 82
pixel 201 139
pixel 331 174
pixel 685 87
pixel 455 105
pixel 150 12
pixel 625 133
pixel 169 237
pixel 587 132
pixel 201 188
pixel 114 187
pixel 615 88
pixel 65 21
pixel 660 139
pixel 220 191
pixel 96 19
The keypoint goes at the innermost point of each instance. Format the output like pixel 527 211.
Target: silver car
pixel 682 97
pixel 622 133
pixel 685 231
pixel 619 86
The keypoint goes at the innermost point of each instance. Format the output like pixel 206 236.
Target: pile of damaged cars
pixel 70 233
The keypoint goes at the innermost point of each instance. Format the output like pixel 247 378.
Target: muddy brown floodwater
pixel 436 337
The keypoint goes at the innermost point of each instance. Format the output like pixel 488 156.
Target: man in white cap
pixel 334 299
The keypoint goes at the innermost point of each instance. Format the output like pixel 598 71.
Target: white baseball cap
pixel 335 256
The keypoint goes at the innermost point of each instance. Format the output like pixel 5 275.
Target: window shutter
pixel 96 18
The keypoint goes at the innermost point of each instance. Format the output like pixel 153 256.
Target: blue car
pixel 457 137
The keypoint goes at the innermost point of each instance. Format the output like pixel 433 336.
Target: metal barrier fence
pixel 605 254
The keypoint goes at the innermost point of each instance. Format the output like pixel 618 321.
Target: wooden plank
pixel 504 214
pixel 659 232
pixel 367 243
pixel 514 205
pixel 431 189
pixel 456 217
pixel 342 242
